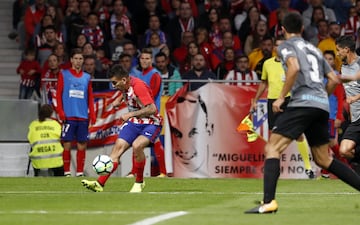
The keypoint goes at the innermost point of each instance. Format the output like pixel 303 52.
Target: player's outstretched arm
pixel 347 78
pixel 333 80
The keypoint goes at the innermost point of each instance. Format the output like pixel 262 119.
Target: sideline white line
pixel 157 219
pixel 256 193
pixel 76 212
pixel 180 192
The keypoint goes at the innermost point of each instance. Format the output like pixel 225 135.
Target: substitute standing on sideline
pixel 75 108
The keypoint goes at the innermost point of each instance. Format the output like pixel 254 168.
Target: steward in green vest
pixel 44 137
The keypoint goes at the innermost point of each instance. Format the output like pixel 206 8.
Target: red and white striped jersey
pixel 351 26
pixel 137 97
pixel 243 76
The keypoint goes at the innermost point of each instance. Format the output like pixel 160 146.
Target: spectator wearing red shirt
pixel 32 17
pixel 192 50
pixel 284 5
pixel 217 55
pixel 180 53
pixel 225 25
pixel 29 69
pixel 106 63
pixel 62 57
pixel 202 39
pixel 168 8
pixel 52 72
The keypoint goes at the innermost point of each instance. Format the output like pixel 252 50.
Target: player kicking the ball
pixel 142 125
pixel 307 111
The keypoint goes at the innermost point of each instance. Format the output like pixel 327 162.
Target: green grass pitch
pixel 63 201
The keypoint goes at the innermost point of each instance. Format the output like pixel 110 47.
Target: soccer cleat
pixel 310 174
pixel 271 207
pixel 161 175
pixel 137 187
pixel 67 174
pixel 80 175
pixel 324 177
pixel 130 175
pixel 92 185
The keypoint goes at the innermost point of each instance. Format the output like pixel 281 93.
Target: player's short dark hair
pixel 52 54
pixel 329 52
pixel 346 41
pixel 124 55
pixel 90 57
pixel 45 111
pixel 118 71
pixel 161 54
pixel 92 13
pixel 119 25
pixel 292 22
pixel 75 51
pixel 50 27
pixel 237 58
pixel 146 51
pixel 267 37
pixel 154 15
pixel 30 51
pixel 322 21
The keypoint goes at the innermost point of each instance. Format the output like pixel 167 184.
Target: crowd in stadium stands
pixel 225 32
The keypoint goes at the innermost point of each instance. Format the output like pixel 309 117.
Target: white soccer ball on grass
pixel 102 164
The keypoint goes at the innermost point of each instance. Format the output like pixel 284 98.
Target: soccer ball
pixel 102 164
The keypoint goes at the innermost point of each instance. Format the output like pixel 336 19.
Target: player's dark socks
pixel 271 176
pixel 344 173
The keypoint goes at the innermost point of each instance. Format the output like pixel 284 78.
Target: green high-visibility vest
pixel 44 138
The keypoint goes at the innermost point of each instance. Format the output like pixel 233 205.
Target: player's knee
pixel 322 163
pixel 116 154
pixel 117 151
pixel 271 150
pixel 137 147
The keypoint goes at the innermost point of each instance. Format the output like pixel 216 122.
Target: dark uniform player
pixel 307 111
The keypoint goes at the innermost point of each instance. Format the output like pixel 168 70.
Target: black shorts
pixel 313 122
pixel 352 132
pixel 273 116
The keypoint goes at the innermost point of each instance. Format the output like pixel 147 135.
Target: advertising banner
pixel 204 137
